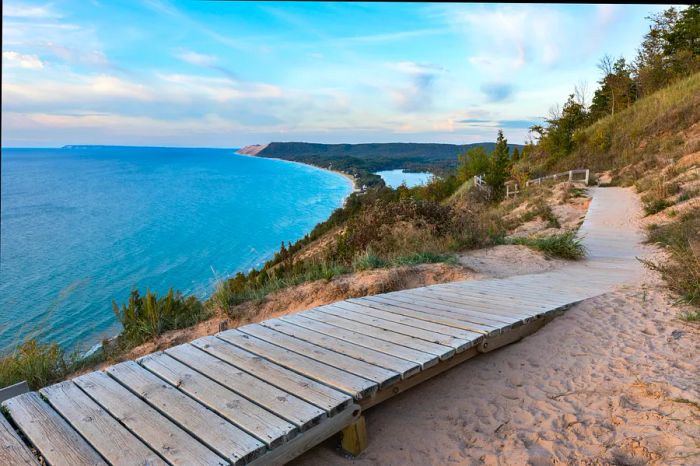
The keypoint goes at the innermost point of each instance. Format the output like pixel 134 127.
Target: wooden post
pixel 354 437
pixel 586 176
pixel 571 175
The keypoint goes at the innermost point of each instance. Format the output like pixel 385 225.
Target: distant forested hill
pixel 363 159
pixel 374 157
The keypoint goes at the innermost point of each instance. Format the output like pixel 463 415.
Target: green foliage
pixel 38 364
pixel 499 167
pixel 557 139
pixel 565 245
pixel 368 260
pixel 682 271
pixel 146 317
pixel 473 162
pixel 670 50
pixel 368 158
pixel 654 206
pixel 424 257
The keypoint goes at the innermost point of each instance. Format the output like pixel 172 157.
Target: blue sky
pixel 226 74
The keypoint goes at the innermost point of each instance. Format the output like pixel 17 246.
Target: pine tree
pixel 499 167
pixel 516 155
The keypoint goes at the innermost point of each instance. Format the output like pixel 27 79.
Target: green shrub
pixel 146 317
pixel 423 258
pixel 565 245
pixel 654 206
pixel 39 364
pixel 368 260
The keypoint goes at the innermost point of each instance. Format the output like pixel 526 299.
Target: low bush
pixel 146 317
pixel 565 245
pixel 39 364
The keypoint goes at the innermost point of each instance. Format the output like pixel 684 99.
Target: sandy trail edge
pixel 613 381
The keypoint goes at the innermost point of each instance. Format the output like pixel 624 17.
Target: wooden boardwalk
pixel 264 393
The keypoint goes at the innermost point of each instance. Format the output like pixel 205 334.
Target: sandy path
pixel 606 383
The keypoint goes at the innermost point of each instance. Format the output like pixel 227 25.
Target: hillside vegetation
pixel 640 129
pixel 362 160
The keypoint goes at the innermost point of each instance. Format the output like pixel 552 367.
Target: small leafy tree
pixel 473 162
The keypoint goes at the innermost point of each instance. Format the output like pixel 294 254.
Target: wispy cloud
pixel 497 92
pixel 515 35
pixel 21 10
pixel 32 62
pixel 418 94
pixel 511 124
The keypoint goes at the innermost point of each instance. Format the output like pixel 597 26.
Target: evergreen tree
pixel 499 167
pixel 516 155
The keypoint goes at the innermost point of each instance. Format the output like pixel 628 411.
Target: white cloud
pixel 198 59
pixel 16 10
pixel 507 38
pixel 32 62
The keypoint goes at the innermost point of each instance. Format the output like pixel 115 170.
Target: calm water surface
pixel 83 226
pixel 394 178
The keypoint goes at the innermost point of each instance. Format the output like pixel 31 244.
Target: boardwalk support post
pixel 354 437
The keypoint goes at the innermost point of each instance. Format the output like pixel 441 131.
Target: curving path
pixel 266 392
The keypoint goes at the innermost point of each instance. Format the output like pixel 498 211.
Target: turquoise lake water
pixel 83 226
pixel 394 178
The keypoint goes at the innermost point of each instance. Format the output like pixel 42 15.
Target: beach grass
pixel 681 270
pixel 563 246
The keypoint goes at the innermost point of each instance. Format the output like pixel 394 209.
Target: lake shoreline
pixel 349 177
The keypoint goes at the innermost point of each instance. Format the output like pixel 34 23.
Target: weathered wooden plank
pixel 211 429
pixel 449 309
pixel 52 436
pixel 431 315
pixel 318 394
pixel 247 415
pixel 379 310
pixel 403 352
pixel 474 311
pixel 162 435
pixel 104 433
pixel 351 384
pixel 279 402
pixel 403 367
pixel 493 303
pixel 436 307
pixel 526 295
pixel 381 376
pixel 12 448
pixel 438 345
